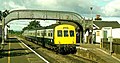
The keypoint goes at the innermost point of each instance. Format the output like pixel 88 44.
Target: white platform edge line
pixel 35 52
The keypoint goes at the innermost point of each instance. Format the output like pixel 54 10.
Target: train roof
pixel 48 27
pixel 54 25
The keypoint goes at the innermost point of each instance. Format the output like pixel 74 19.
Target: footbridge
pixel 46 15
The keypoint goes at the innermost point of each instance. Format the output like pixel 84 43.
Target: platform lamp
pixel 91 8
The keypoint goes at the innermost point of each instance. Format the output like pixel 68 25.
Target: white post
pixel 111 41
pixel 3 34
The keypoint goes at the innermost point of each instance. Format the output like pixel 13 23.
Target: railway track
pixel 84 58
pixel 77 59
pixel 52 57
pixel 37 50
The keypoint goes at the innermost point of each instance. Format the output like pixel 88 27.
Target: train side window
pixel 44 34
pixel 51 34
pixel 38 33
pixel 71 33
pixel 65 33
pixel 59 33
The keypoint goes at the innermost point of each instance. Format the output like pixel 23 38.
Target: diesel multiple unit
pixel 58 37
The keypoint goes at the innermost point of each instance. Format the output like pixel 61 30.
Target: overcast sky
pixel 108 9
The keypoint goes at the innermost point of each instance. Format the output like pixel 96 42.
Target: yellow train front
pixel 65 38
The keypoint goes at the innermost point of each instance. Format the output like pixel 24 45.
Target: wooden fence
pixel 115 45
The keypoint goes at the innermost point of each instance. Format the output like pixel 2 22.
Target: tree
pixel 32 25
pixel 11 31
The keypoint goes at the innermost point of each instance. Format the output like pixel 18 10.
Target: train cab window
pixel 71 33
pixel 65 33
pixel 59 33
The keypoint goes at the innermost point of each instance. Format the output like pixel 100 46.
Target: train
pixel 59 37
pixel 0 32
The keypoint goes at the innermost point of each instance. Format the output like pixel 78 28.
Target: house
pixel 103 29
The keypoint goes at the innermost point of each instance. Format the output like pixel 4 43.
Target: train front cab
pixel 65 38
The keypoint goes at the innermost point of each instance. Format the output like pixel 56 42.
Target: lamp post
pixel 91 8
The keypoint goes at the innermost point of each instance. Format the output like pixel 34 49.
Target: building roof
pixel 113 24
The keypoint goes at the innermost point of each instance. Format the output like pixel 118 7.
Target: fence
pixel 115 45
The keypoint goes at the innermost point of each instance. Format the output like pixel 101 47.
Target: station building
pixel 101 29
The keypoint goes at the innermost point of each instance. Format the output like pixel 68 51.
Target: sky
pixel 108 9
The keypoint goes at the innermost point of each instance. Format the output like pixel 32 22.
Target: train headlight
pixel 59 42
pixel 73 42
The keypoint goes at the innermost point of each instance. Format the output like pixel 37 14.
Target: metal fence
pixel 115 45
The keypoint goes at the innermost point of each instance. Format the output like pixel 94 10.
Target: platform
pixel 16 52
pixel 103 55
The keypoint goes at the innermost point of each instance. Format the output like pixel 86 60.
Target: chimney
pixel 98 17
